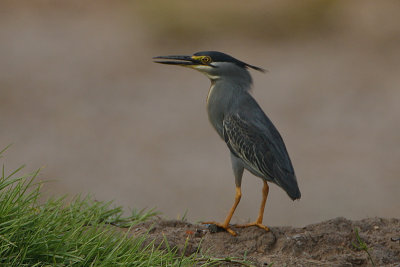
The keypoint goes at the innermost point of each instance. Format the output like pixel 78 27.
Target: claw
pixel 220 225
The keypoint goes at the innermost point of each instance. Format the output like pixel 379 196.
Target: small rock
pixel 199 233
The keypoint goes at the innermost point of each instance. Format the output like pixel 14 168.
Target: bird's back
pixel 251 136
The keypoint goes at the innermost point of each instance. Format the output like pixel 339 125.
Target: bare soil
pixel 329 243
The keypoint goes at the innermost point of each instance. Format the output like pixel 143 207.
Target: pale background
pixel 80 96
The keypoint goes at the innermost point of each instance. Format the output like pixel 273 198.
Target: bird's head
pixel 212 63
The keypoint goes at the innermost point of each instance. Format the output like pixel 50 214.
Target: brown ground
pixel 329 243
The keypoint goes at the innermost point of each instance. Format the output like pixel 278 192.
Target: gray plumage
pixel 254 142
pixel 247 131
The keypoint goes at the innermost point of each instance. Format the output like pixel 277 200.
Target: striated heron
pixel 254 142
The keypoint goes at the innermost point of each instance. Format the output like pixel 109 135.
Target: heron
pixel 252 139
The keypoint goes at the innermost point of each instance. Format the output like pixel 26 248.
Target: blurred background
pixel 80 97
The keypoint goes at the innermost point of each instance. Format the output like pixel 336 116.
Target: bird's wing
pixel 260 146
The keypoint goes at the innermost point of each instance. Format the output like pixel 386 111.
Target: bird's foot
pixel 223 226
pixel 259 225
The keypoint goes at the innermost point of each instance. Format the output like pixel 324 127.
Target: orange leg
pixel 225 224
pixel 259 220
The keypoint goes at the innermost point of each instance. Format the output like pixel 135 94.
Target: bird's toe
pixel 221 226
pixel 259 225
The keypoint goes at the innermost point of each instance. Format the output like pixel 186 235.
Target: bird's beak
pixel 186 61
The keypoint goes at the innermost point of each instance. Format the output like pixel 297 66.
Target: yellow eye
pixel 206 60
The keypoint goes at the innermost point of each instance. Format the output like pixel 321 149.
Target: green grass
pixel 80 232
pixel 361 245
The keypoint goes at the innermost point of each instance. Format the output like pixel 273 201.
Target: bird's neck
pixel 222 96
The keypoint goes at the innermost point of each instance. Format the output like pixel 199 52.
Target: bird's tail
pixel 290 186
pixel 294 193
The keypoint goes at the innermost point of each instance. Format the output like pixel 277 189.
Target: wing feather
pixel 262 149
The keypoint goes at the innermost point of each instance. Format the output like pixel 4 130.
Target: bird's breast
pixel 215 110
pixel 210 91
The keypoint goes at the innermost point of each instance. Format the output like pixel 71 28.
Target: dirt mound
pixel 329 243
